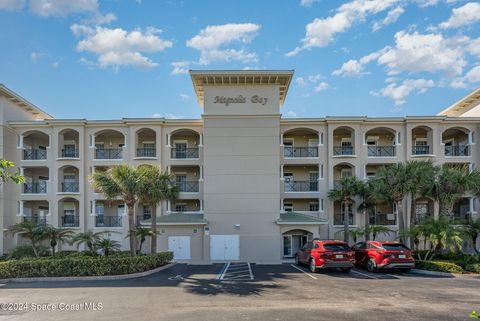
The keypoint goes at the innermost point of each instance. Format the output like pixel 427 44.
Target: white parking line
pixel 368 276
pixel 295 267
pixel 221 274
pixel 250 270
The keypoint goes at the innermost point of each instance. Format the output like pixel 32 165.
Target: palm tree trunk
pixel 133 231
pixel 367 224
pixel 346 222
pixel 401 222
pixel 153 238
pixel 413 219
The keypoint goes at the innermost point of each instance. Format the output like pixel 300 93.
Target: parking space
pixel 238 271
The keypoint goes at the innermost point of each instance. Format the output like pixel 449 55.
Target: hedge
pixel 440 266
pixel 473 268
pixel 85 266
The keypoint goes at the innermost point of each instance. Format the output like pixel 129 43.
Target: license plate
pixel 402 256
pixel 339 256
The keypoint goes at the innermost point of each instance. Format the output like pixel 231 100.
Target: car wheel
pixel 371 265
pixel 297 262
pixel 313 268
pixel 346 270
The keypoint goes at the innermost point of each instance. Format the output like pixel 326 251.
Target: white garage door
pixel 180 246
pixel 224 247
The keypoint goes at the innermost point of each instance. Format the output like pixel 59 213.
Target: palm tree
pixel 122 181
pixel 355 233
pixel 157 186
pixel 422 175
pixel 345 192
pixel 89 238
pixel 31 231
pixel 56 235
pixel 442 234
pixel 376 230
pixel 142 234
pixel 108 246
pixel 472 229
pixel 414 232
pixel 367 206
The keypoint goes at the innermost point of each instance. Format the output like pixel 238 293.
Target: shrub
pixel 25 251
pixel 82 266
pixel 475 268
pixel 440 266
pixel 62 254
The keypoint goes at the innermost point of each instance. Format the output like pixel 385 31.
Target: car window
pixel 336 247
pixel 371 246
pixel 360 246
pixel 395 247
pixel 307 246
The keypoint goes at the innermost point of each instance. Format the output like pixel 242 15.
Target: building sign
pixel 255 99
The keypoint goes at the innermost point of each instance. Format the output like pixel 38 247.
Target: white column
pixel 470 138
pixel 20 210
pixel 93 140
pixel 201 141
pixel 49 208
pixel 20 141
pixel 22 170
pixel 125 141
pixel 201 173
pixel 397 140
pixel 168 206
pixel 282 209
pixel 281 139
pixel 281 173
pixel 168 140
pixel 49 140
pixel 472 206
pixel 93 208
pixel 201 205
pixel 169 169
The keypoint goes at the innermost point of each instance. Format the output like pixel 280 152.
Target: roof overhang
pixel 301 223
pixel 463 105
pixel 23 103
pixel 201 78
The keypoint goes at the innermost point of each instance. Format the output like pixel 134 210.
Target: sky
pixel 109 59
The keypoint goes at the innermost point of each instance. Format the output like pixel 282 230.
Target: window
pixel 68 208
pixel 43 178
pixel 288 207
pixel 147 212
pixel 313 207
pixel 336 247
pixel 180 207
pixel 99 208
pixel 395 247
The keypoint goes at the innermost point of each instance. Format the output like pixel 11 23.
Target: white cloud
pixel 168 116
pixel 212 40
pixel 471 77
pixel 12 5
pixel 321 32
pixel 399 92
pixel 300 81
pixel 351 68
pixel 55 64
pixel 118 47
pixel 100 19
pixel 62 8
pixel 307 3
pixel 322 86
pixel 463 16
pixel 474 47
pixel 291 114
pixel 184 97
pixel 34 57
pixel 180 67
pixel 426 3
pixel 391 17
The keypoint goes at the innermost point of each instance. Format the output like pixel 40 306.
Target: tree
pixel 7 176
pixel 471 229
pixel 31 231
pixel 122 181
pixel 142 234
pixel 442 234
pixel 345 192
pixel 355 233
pixel 376 230
pixel 422 176
pixel 367 205
pixel 56 235
pixel 89 238
pixel 157 186
pixel 107 246
pixel 414 232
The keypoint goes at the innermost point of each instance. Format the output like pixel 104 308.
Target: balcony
pixel 108 153
pixel 146 152
pixel 339 213
pixel 422 141
pixel 185 206
pixel 292 152
pixel 381 151
pixel 338 218
pixel 421 150
pixel 108 221
pixel 68 141
pixel 185 153
pixel 188 186
pixel 458 150
pixel 343 151
pixel 301 186
pixel 70 153
pixel 70 221
pixel 70 187
pixel 36 219
pixel 34 154
pixel 35 188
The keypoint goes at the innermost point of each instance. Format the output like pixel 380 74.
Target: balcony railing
pixel 34 154
pixel 70 153
pixel 108 153
pixel 301 186
pixel 70 221
pixel 182 209
pixel 457 150
pixel 338 219
pixel 70 187
pixel 381 151
pixel 186 153
pixel 343 150
pixel 290 151
pixel 38 220
pixel 383 219
pixel 421 150
pixel 146 152
pixel 188 186
pixel 35 188
pixel 108 221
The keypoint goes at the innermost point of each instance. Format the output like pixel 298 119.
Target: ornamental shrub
pixel 440 266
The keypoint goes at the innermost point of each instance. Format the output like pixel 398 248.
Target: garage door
pixel 180 246
pixel 224 247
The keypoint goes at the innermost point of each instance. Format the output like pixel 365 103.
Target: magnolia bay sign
pixel 255 99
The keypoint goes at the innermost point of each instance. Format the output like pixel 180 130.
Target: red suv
pixel 383 255
pixel 323 254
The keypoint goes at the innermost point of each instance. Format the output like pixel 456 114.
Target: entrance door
pixel 287 246
pixel 224 247
pixel 180 246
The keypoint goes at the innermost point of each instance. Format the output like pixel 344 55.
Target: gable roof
pixel 462 106
pixel 23 103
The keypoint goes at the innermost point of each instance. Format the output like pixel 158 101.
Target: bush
pixel 82 266
pixel 26 251
pixel 63 254
pixel 475 268
pixel 440 266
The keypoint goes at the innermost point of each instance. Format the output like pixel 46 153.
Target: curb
pixel 446 274
pixel 90 278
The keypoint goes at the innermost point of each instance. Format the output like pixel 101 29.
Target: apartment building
pixel 253 185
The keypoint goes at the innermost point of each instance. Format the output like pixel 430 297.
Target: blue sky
pixel 128 58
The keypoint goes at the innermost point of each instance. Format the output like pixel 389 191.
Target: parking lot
pixel 253 292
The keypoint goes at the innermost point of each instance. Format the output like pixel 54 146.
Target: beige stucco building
pixel 253 185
